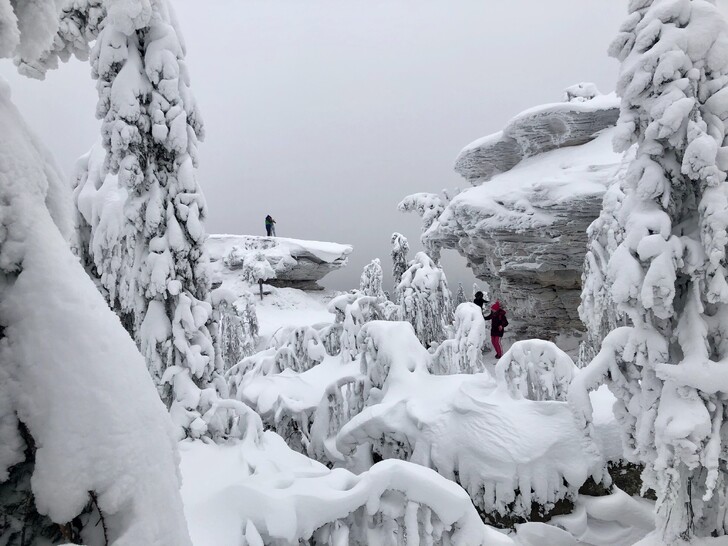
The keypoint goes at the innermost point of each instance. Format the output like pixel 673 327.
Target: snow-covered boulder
pixel 524 229
pixel 296 263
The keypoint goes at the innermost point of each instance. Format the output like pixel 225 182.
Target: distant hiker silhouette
pixel 498 323
pixel 270 226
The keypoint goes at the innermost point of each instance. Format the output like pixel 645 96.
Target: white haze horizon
pixel 326 113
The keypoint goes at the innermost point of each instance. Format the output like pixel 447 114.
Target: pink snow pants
pixel 495 340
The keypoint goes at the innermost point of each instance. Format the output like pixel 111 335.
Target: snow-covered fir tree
pixel 400 249
pixel 425 300
pixel 464 352
pixel 145 244
pixel 668 274
pixel 460 296
pixel 371 279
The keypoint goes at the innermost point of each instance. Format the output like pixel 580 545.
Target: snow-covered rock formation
pixel 296 263
pixel 539 184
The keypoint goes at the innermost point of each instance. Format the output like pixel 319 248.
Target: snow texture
pixel 276 496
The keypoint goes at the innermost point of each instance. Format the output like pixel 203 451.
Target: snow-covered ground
pixel 466 428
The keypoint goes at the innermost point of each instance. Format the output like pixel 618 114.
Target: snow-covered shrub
pixel 298 348
pixel 535 369
pixel 400 249
pixel 256 268
pixel 508 453
pixel 371 280
pixel 425 300
pixel 352 311
pixel 80 420
pixel 463 353
pixel 668 274
pixel 235 258
pixel 342 401
pixel 331 338
pixel 236 324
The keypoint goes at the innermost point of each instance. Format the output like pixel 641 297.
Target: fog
pixel 325 113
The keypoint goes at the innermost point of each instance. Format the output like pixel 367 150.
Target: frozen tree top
pixel 296 263
pixel 538 130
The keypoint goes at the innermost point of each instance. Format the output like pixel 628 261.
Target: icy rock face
pixel 523 229
pixel 534 132
pixel 297 264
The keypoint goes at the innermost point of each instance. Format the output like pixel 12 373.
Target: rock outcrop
pixel 297 264
pixel 522 229
pixel 535 132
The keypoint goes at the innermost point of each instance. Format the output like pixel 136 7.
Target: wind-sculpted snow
pixel 534 132
pixel 524 231
pixel 260 492
pixel 507 453
pixel 295 263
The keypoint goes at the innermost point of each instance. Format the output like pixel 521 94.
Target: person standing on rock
pixel 270 226
pixel 498 323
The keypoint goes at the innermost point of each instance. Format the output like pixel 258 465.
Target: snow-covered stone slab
pixel 536 131
pixel 297 263
pixel 524 230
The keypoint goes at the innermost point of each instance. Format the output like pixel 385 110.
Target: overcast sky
pixel 325 113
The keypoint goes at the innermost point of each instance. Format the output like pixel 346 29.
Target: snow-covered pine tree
pixel 460 296
pixel 425 300
pixel 147 249
pixel 150 128
pixel 464 352
pixel 400 249
pixel 668 274
pixel 370 283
